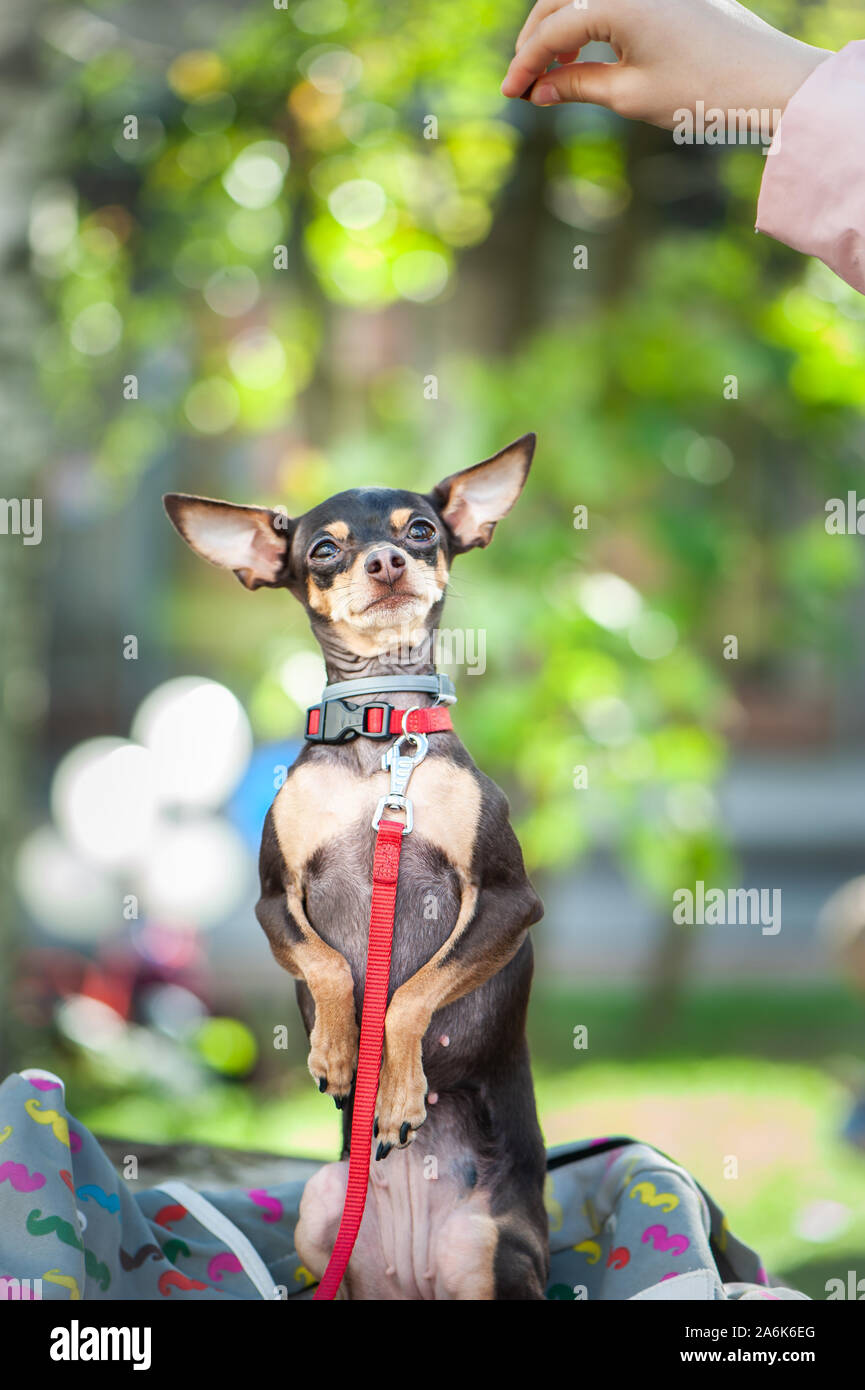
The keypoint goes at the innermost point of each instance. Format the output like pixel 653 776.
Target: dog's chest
pixel 322 806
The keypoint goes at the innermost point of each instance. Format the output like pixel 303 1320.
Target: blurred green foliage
pixel 326 205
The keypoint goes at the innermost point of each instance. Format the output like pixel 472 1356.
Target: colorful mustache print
pixel 591 1249
pixel 651 1197
pixel 225 1263
pixel 96 1270
pixel 129 1262
pixel 662 1240
pixel 59 1127
pixel 109 1201
pixel 172 1278
pixel 20 1178
pixel 166 1215
pixel 39 1225
pixel 67 1281
pixel 272 1205
pixel 172 1248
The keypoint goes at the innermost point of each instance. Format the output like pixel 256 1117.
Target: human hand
pixel 670 56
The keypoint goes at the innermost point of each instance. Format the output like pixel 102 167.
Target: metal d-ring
pixel 405 730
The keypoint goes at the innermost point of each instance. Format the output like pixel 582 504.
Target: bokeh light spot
pixel 199 738
pixel 256 176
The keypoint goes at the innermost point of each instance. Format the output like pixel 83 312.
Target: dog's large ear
pixel 252 541
pixel 471 502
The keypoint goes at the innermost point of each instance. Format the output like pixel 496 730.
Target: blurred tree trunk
pixel 32 124
pixel 504 282
pixel 666 979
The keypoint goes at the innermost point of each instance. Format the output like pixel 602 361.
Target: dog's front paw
pixel 333 1055
pixel 402 1092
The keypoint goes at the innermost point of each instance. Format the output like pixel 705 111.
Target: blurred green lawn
pixel 742 1074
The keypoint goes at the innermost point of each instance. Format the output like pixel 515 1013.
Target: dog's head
pixel 371 565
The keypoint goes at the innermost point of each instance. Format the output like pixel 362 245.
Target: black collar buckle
pixel 339 721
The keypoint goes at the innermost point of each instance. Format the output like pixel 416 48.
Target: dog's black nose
pixel 386 564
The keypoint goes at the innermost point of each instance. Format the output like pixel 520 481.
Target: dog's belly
pixel 427 1231
pixel 486 1026
pixel 486 1023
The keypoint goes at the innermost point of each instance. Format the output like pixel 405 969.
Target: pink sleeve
pixel 813 192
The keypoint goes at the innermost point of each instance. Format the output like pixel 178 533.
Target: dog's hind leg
pixel 318 1222
pixel 520 1261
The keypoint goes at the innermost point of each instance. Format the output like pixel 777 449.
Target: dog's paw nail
pixel 339 1102
pixel 322 1083
pixel 382 1151
pixel 403 1131
pixel 375 1128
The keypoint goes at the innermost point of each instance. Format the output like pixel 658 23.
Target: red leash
pixel 384 877
pixel 385 872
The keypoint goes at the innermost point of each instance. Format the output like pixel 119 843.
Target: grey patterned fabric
pixel 625 1222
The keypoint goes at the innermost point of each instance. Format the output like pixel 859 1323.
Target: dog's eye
pixel 421 530
pixel 324 550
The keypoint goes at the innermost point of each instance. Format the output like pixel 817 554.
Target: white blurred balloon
pixel 90 1022
pixel 63 892
pixel 103 800
pixel 197 873
pixel 200 740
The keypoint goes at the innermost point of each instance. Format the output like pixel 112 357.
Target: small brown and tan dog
pixel 456 1211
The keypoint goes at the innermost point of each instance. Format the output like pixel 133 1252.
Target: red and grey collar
pixel 337 719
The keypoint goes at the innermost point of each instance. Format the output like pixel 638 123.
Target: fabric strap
pixel 436 719
pixel 225 1230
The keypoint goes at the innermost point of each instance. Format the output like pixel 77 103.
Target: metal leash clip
pixel 401 766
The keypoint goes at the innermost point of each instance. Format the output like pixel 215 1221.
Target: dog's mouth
pixel 393 609
pixel 394 600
